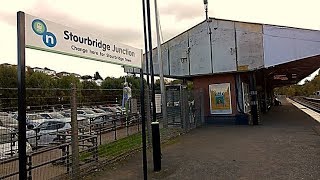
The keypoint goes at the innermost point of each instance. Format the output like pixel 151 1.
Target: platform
pixel 286 146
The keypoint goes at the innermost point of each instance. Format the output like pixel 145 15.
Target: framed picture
pixel 220 98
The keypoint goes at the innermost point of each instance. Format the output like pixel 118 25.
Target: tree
pixel 97 76
pixel 8 76
pixel 40 89
pixel 8 79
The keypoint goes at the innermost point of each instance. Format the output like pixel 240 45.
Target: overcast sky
pixel 121 21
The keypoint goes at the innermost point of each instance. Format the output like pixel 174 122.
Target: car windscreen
pixel 57 116
pixel 34 117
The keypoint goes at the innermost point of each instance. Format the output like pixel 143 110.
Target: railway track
pixel 312 103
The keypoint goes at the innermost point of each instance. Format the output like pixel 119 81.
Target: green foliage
pixel 116 148
pixel 8 79
pixel 65 82
pixel 8 76
pixel 112 83
pixel 40 80
pixel 307 89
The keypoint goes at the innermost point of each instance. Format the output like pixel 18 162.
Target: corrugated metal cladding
pixel 235 46
pixel 284 44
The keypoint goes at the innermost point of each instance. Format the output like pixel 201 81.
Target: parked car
pixel 47 132
pixel 82 121
pixel 87 113
pixel 6 134
pixel 8 121
pixel 4 114
pixel 9 144
pixel 51 115
pixel 35 119
pixel 101 111
pixel 112 110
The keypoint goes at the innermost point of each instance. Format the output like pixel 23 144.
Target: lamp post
pixel 205 2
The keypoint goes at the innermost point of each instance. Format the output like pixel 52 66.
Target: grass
pixel 116 148
pixel 125 145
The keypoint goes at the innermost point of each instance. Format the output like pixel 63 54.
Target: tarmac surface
pixel 286 146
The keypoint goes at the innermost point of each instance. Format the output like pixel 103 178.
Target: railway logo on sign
pixel 40 28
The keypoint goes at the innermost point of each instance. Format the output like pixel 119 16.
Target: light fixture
pixel 205 2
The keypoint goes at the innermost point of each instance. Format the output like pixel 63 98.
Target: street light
pixel 205 2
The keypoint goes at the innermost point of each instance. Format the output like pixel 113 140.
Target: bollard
pixel 156 146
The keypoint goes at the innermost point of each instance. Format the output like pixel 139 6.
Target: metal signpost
pixel 37 33
pixel 22 140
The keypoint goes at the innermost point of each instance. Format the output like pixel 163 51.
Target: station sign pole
pixel 142 96
pixel 22 140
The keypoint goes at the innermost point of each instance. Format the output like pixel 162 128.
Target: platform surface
pixel 286 146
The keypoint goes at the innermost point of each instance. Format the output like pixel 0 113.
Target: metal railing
pixel 55 159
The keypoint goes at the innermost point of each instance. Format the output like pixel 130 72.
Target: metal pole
pixel 156 146
pixel 142 100
pixel 143 119
pixel 153 99
pixel 74 134
pixel 254 99
pixel 21 96
pixel 162 88
pixel 147 72
pixel 205 2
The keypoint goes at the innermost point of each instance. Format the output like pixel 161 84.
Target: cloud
pixel 8 18
pixel 120 34
pixel 182 10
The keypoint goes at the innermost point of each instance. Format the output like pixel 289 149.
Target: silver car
pixel 8 121
pixel 9 143
pixel 47 132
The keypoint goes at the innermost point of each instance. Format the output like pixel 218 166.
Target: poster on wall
pixel 220 98
pixel 246 97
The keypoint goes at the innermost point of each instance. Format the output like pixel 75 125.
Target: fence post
pixel 67 154
pixel 74 134
pixel 127 127
pixel 202 107
pixel 29 169
pixel 115 129
pixel 183 108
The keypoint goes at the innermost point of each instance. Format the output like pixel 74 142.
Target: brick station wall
pixel 204 82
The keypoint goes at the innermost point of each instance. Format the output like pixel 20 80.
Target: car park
pixel 112 110
pixel 34 119
pixel 100 111
pixel 51 115
pixel 47 132
pixel 9 144
pixel 8 121
pixel 87 113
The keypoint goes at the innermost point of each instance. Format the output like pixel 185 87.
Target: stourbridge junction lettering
pixel 96 43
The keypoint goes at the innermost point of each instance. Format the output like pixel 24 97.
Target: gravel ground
pixel 284 147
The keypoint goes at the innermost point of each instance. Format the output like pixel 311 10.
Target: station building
pixel 236 65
